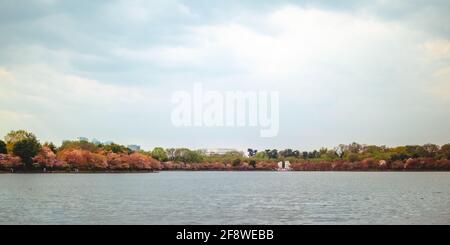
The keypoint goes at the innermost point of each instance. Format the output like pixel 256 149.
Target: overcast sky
pixel 374 72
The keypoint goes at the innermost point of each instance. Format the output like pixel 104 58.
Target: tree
pixel 115 148
pixel 251 152
pixel 323 151
pixel 398 157
pixel 330 154
pixel 272 153
pixel 289 153
pixel 261 155
pixel 51 146
pixel 46 158
pixel 355 147
pixel 26 149
pixel 431 149
pixel 8 161
pixel 353 157
pixel 3 149
pixel 138 161
pixel 340 150
pixel 171 153
pixel 373 149
pixel 314 154
pixel 415 151
pixel 305 155
pixel 78 144
pixel 236 162
pixel 15 136
pixel 159 154
pixel 192 156
pixel 184 155
pixel 118 161
pixel 83 159
pixel 444 152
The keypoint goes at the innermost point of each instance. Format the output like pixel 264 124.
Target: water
pixel 226 198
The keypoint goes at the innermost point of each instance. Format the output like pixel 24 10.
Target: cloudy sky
pixel 375 72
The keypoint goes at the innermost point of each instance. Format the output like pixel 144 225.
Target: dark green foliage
pixel 26 149
pixel 251 152
pixel 353 157
pixel 193 156
pixel 236 162
pixel 15 136
pixel 444 152
pixel 184 155
pixel 51 146
pixel 399 156
pixel 272 153
pixel 115 148
pixel 79 144
pixel 290 153
pixel 415 151
pixel 159 154
pixel 3 147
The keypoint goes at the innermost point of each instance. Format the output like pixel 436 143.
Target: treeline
pixel 356 152
pixel 354 157
pixel 21 150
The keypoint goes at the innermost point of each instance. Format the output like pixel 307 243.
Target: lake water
pixel 226 198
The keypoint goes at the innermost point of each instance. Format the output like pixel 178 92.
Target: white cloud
pixel 296 49
pixel 440 84
pixel 335 71
pixel 43 83
pixel 438 49
pixel 141 11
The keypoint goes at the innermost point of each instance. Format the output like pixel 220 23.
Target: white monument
pixel 284 166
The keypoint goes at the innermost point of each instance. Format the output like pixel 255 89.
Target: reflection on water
pixel 226 198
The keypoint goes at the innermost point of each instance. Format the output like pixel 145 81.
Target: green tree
pixel 160 154
pixel 445 151
pixel 272 153
pixel 26 149
pixel 353 157
pixel 3 149
pixel 116 148
pixel 236 162
pixel 193 156
pixel 15 136
pixel 78 144
pixel 415 151
pixel 330 155
pixel 261 155
pixel 431 150
pixel 251 152
pixel 51 146
pixel 355 147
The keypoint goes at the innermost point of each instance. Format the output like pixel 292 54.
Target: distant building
pixel 284 166
pixel 95 141
pixel 83 139
pixel 220 151
pixel 134 147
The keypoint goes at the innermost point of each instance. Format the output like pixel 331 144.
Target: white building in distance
pixel 134 147
pixel 284 166
pixel 220 151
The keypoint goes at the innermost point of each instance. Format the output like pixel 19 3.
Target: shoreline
pixel 215 170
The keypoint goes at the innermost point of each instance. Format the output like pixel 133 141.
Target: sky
pixel 373 72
